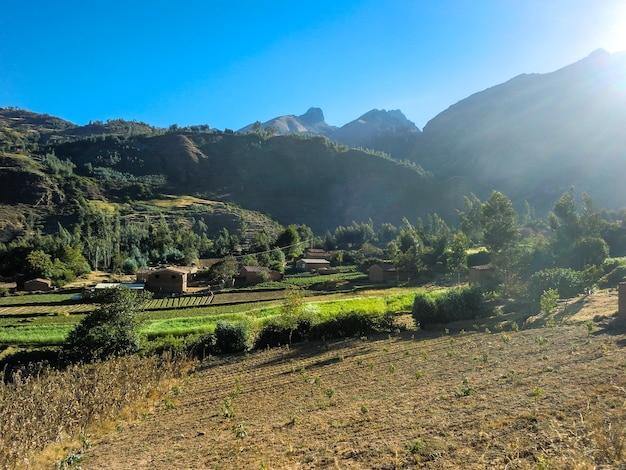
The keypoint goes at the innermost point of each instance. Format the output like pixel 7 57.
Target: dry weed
pixel 55 406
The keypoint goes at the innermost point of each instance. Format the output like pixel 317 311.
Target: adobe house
pixel 317 253
pixel 483 275
pixel 256 274
pixel 170 280
pixel 383 272
pixel 311 264
pixel 38 284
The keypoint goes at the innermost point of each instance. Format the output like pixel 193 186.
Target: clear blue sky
pixel 228 64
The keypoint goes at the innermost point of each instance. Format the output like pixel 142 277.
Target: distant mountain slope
pixel 387 131
pixel 21 129
pixel 382 130
pixel 312 122
pixel 537 135
pixel 290 178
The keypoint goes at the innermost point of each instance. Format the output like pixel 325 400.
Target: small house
pixel 386 272
pixel 484 276
pixel 170 280
pixel 256 274
pixel 38 285
pixel 317 253
pixel 312 264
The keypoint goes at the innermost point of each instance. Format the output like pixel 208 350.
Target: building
pixel 38 285
pixel 170 280
pixel 256 274
pixel 317 253
pixel 312 264
pixel 386 272
pixel 484 276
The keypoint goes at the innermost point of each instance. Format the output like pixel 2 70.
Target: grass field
pixel 45 319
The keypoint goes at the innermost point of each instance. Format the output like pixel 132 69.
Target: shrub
pixel 567 282
pixel 354 323
pixel 276 332
pixel 548 301
pixel 129 266
pixel 203 346
pixel 453 305
pixel 232 337
pixel 424 309
pixel 110 330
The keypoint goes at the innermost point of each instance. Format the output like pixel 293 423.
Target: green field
pixel 46 319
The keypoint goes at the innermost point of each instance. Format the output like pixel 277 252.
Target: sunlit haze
pixel 228 64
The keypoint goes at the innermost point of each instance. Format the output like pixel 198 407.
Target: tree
pixel 291 310
pixel 457 256
pixel 110 330
pixel 498 222
pixel 470 221
pixel 589 251
pixel 224 269
pixel 38 264
pixel 289 240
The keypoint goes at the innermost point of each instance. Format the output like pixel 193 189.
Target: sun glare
pixel 616 30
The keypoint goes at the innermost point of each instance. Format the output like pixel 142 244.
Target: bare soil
pixel 541 397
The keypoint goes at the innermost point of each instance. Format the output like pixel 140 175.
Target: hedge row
pixel 238 337
pixel 452 305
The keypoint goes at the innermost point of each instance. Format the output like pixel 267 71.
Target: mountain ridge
pixel 532 138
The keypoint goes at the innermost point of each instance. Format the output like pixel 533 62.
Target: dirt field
pixel 541 397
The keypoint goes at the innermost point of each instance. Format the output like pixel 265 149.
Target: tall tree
pixel 499 222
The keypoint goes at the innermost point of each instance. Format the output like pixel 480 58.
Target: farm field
pixel 46 319
pixel 467 397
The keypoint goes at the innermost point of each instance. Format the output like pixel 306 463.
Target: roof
pixel 255 269
pixel 483 267
pixel 385 266
pixel 39 279
pixel 176 269
pixel 111 285
pixel 313 261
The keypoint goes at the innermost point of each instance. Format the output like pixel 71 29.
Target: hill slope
pixel 537 135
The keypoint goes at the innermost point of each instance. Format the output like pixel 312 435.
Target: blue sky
pixel 228 64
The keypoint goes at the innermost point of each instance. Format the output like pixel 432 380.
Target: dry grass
pixel 169 201
pixel 539 398
pixel 41 414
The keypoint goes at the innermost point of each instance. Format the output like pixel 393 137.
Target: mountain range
pixel 531 138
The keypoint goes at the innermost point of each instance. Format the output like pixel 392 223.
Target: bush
pixel 232 337
pixel 203 346
pixel 453 305
pixel 354 323
pixel 567 282
pixel 129 266
pixel 276 333
pixel 425 310
pixel 110 330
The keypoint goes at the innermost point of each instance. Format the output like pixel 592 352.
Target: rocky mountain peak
pixel 312 117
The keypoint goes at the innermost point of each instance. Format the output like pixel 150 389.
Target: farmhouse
pixel 386 272
pixel 256 274
pixel 38 284
pixel 483 275
pixel 170 280
pixel 312 264
pixel 317 253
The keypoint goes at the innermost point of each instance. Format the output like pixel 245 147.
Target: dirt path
pixel 472 400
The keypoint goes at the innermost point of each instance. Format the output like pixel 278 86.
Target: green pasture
pixel 168 318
